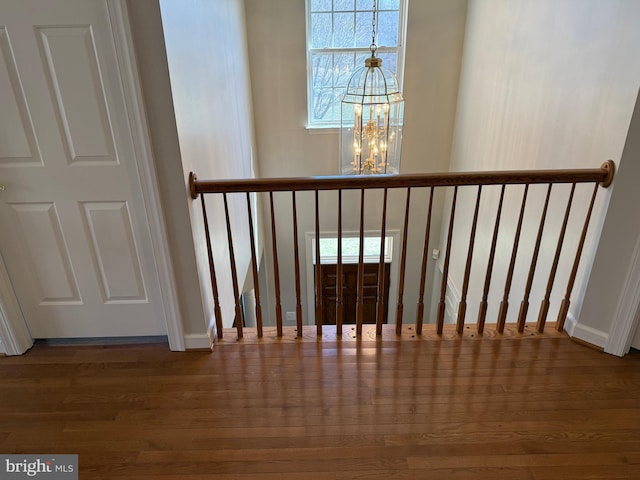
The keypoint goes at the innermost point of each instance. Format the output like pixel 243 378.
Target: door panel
pixel 17 141
pixel 74 234
pixel 114 251
pixel 74 78
pixel 45 252
pixel 350 292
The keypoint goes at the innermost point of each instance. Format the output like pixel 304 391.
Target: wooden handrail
pixel 603 175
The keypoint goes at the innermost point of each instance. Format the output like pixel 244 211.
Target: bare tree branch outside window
pixel 339 35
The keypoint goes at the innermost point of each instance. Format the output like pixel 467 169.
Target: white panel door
pixel 73 231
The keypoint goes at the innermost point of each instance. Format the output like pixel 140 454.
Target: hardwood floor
pixel 534 408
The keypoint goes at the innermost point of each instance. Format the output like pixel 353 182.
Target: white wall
pixel 276 40
pixel 545 84
pixel 620 234
pixel 146 26
pixel 208 67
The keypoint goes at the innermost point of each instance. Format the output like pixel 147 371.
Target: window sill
pixel 315 130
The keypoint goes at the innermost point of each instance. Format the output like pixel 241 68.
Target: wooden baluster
pixel 360 294
pixel 482 311
pixel 296 257
pixel 234 272
pixel 339 293
pixel 276 268
pixel 254 267
pixel 524 305
pixel 423 271
pixel 318 271
pixel 380 304
pixel 462 307
pixel 212 272
pixel 544 306
pixel 504 304
pixel 445 271
pixel 403 264
pixel 564 306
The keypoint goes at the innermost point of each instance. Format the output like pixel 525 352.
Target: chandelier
pixel 372 112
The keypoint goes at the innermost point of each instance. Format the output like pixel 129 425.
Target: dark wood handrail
pixel 603 175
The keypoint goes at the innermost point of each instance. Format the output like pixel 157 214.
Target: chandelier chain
pixel 374 25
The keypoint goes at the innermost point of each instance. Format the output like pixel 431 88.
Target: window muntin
pixel 338 41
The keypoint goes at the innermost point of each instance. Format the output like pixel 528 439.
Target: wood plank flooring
pixel 530 408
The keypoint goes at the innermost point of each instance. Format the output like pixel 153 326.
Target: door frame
pixel 14 332
pixel 394 274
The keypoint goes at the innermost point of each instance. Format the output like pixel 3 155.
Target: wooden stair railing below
pixel 601 177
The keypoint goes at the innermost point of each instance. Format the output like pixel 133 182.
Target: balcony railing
pixel 454 183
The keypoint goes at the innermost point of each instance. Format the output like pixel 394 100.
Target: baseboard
pixel 104 341
pixel 587 344
pixel 583 333
pixel 197 341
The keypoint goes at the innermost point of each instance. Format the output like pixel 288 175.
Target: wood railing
pixel 600 177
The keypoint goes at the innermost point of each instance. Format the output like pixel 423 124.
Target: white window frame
pixel 400 49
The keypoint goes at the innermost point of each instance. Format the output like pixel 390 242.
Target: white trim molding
pixel 197 341
pixel 584 333
pixel 627 314
pixel 118 16
pixel 14 333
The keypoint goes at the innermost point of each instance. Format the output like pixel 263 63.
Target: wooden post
pixel 360 294
pixel 403 264
pixel 504 305
pixel 318 271
pixel 296 259
pixel 254 267
pixel 462 308
pixel 445 270
pixel 339 292
pixel 524 305
pixel 234 272
pixel 380 305
pixel 276 268
pixel 423 270
pixel 564 307
pixel 212 272
pixel 482 311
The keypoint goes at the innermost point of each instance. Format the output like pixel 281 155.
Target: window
pixel 351 249
pixel 338 40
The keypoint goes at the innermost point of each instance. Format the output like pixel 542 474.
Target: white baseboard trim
pixel 197 341
pixel 584 333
